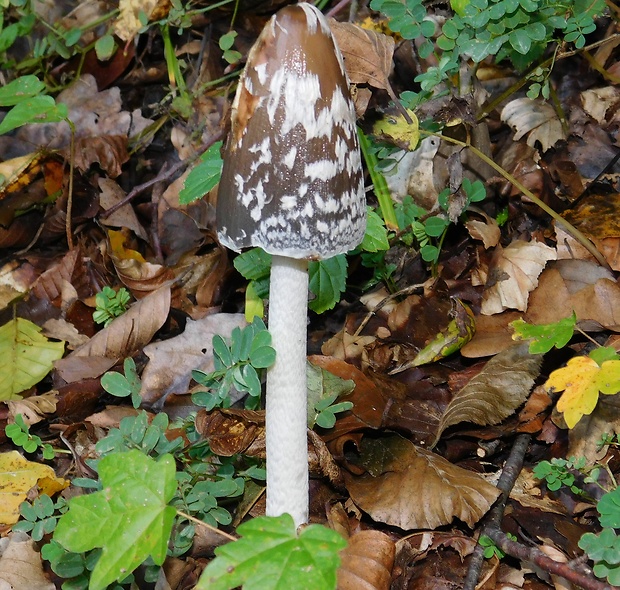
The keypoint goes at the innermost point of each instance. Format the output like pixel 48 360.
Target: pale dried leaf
pixel 366 562
pixel 33 408
pixel 111 194
pixel 488 231
pixel 127 334
pixel 598 101
pixel 496 392
pixel 367 54
pixel 128 23
pixel 513 274
pixel 412 488
pixel 172 361
pixel 21 565
pixel 536 119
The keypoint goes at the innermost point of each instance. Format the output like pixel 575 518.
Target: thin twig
pixel 506 482
pixel 207 526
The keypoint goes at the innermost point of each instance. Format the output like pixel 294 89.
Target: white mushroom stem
pixel 287 396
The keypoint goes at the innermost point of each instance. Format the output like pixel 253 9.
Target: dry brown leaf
pixel 128 24
pixel 367 54
pixel 597 102
pixel 70 269
pixel 111 194
pixel 534 118
pixel 488 231
pixel 580 286
pixel 34 407
pixel 413 488
pixel 109 151
pixel 493 334
pixel 21 565
pixel 366 562
pixel 172 361
pixel 127 334
pixel 496 392
pixel 513 274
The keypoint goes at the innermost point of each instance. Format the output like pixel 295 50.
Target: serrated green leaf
pixel 545 336
pixel 375 238
pixel 129 519
pixel 270 555
pixel 327 279
pixel 254 264
pixel 204 176
pixel 26 356
pixel 604 353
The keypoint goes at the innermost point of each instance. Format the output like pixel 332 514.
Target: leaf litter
pixel 377 481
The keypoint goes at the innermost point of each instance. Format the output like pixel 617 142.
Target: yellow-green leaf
pixel 581 381
pixel 26 356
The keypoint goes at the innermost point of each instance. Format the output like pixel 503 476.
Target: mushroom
pixel 292 184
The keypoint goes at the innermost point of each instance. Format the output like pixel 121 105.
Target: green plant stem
pixel 381 188
pixel 571 229
pixel 204 524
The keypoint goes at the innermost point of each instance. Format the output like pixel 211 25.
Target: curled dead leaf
pixel 367 54
pixel 412 488
pixel 496 392
pixel 366 562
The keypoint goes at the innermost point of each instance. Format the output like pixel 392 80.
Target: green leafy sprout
pixel 237 366
pixel 19 433
pixel 490 548
pixel 110 304
pixel 127 385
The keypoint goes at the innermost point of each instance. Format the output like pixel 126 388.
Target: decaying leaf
pixel 21 565
pixel 366 562
pixel 128 23
pixel 109 151
pixel 368 54
pixel 581 381
pixel 17 477
pixel 127 333
pixel 580 286
pixel 536 118
pixel 513 274
pixel 412 488
pixel 496 392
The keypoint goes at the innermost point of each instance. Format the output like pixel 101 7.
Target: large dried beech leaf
pixel 172 361
pixel 413 488
pixel 367 54
pixel 497 391
pixel 578 286
pixel 128 333
pixel 513 274
pixel 21 565
pixel 536 119
pixel 366 562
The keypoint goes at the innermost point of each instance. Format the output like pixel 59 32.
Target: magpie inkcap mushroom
pixel 292 184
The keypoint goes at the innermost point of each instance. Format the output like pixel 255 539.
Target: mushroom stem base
pixel 287 396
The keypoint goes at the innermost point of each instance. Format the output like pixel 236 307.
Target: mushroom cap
pixel 292 181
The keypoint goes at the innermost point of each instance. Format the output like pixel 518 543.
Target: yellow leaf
pixel 17 477
pixel 582 380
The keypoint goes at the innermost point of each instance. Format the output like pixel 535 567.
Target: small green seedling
pixel 40 517
pixel 110 304
pixel 19 433
pixel 326 410
pixel 490 548
pixel 127 385
pixel 237 366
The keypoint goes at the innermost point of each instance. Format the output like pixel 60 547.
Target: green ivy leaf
pixel 327 280
pixel 270 555
pixel 204 176
pixel 129 519
pixel 545 336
